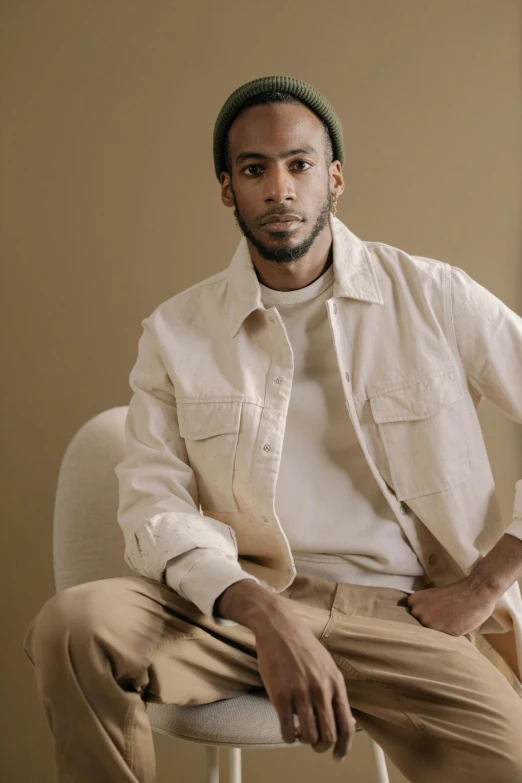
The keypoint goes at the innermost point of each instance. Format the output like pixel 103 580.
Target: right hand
pixel 300 676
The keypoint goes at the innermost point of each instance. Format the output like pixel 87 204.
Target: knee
pixel 76 611
pixel 493 713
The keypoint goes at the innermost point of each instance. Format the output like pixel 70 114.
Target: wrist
pixel 500 568
pixel 246 602
pixel 485 583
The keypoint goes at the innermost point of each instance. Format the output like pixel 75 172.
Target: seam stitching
pixel 414 720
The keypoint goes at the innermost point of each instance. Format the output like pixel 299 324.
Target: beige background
pixel 110 206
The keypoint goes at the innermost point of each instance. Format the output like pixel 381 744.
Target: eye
pixel 250 166
pixel 257 165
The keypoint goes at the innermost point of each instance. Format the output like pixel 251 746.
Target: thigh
pixel 149 638
pixel 218 661
pixel 431 700
pixel 158 643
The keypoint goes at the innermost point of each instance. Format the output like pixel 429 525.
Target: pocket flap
pixel 204 419
pixel 418 401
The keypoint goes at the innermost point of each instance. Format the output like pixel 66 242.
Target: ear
pixel 226 189
pixel 336 178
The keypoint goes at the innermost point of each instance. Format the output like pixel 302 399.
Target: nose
pixel 279 185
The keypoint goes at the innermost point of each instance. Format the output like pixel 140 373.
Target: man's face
pixel 266 180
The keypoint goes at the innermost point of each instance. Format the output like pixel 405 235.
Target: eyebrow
pixel 259 156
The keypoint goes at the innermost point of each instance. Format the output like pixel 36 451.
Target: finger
pixel 326 722
pixel 286 719
pixel 345 722
pixel 307 720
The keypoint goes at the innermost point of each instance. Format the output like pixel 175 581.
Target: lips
pixel 285 218
pixel 282 227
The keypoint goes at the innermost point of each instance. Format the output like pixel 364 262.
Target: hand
pixel 455 609
pixel 300 676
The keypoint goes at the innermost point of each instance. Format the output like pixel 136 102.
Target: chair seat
pixel 249 721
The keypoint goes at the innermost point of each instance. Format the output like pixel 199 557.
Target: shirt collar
pixel 354 276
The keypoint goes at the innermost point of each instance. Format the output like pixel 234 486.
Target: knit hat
pixel 305 92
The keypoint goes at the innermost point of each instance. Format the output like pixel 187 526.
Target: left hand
pixel 455 609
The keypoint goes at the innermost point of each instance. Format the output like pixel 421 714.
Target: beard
pixel 281 254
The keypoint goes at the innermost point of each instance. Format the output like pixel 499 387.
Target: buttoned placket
pixel 272 425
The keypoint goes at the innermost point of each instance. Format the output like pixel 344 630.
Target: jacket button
pixel 266 447
pixel 404 508
pixel 278 380
pixel 432 559
pixel 335 308
pixel 347 374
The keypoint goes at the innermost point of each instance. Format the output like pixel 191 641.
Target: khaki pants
pixel 440 710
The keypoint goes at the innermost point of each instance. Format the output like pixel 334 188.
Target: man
pixel 305 497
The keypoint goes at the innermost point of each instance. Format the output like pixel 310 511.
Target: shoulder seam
pixel 208 281
pixel 401 249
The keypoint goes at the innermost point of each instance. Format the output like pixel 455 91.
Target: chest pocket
pixel 211 433
pixel 423 436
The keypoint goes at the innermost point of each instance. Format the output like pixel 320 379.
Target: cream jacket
pixel 418 343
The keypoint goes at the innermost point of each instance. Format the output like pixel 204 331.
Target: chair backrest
pixel 88 543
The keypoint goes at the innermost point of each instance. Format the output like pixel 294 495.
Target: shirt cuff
pixel 201 575
pixel 515 529
pixel 517 506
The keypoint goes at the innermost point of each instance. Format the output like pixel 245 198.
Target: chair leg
pixel 380 762
pixel 212 775
pixel 234 765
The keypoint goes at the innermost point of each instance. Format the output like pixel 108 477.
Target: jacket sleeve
pixel 158 509
pixel 488 335
pixel 201 576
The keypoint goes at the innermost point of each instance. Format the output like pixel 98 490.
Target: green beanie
pixel 305 92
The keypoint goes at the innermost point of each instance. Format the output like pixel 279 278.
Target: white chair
pixel 88 545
